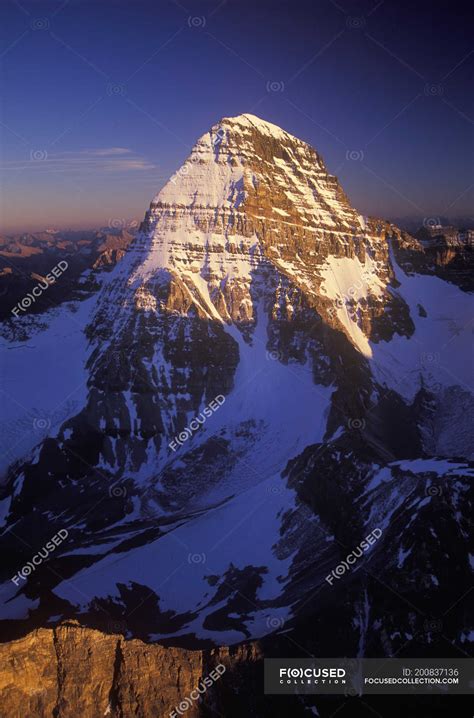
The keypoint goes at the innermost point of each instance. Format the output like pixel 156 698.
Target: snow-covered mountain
pixel 264 379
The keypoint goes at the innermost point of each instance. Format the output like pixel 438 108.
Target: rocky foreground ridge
pixel 70 671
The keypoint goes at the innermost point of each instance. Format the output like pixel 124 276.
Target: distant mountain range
pixel 28 257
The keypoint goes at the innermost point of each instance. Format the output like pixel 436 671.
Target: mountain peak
pixel 254 122
pixel 245 156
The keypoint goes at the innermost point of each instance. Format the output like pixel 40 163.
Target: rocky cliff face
pixel 70 671
pixel 264 379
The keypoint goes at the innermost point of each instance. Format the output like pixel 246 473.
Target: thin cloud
pixel 102 159
pixel 109 151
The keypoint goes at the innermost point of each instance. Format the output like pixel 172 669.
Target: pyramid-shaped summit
pixel 245 151
pixel 252 199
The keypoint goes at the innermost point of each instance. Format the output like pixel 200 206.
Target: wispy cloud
pixel 102 159
pixel 109 151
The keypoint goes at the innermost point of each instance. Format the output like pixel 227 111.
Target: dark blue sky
pixel 102 100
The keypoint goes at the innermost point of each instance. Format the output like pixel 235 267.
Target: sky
pixel 102 101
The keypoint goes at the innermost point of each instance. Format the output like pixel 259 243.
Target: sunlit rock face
pixel 70 671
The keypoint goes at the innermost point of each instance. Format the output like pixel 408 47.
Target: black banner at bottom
pixel 363 676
